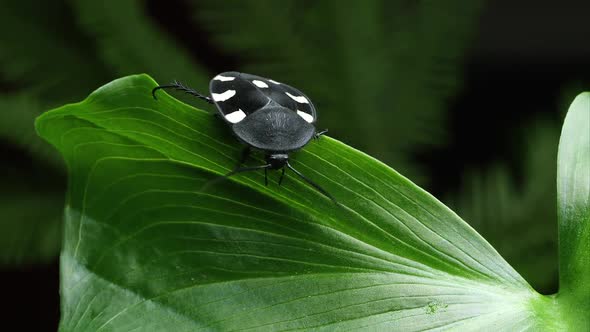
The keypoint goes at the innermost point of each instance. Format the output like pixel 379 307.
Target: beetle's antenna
pixel 181 87
pixel 234 172
pixel 320 133
pixel 313 184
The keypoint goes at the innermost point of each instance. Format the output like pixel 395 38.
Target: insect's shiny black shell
pixel 263 113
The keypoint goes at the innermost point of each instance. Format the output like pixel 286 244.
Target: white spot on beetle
pixel 260 84
pixel 235 117
pixel 299 99
pixel 224 78
pixel 223 96
pixel 275 82
pixel 306 116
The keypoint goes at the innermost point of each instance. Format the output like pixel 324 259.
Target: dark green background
pixel 466 98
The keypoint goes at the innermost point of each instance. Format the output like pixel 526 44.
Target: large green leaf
pixel 145 248
pixel 573 205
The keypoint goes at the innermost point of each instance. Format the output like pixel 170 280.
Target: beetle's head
pixel 277 160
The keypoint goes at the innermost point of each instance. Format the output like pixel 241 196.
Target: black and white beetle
pixel 263 114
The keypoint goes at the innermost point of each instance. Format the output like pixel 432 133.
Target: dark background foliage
pixel 466 98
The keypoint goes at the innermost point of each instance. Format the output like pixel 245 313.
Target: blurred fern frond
pixel 32 190
pixel 17 112
pixel 380 71
pixel 129 42
pixel 31 215
pixel 43 52
pixel 518 217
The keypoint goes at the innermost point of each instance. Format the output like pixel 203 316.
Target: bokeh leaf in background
pixel 146 248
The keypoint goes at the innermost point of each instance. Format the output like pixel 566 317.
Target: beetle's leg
pixel 318 134
pixel 313 184
pixel 282 175
pixel 179 86
pixel 244 156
